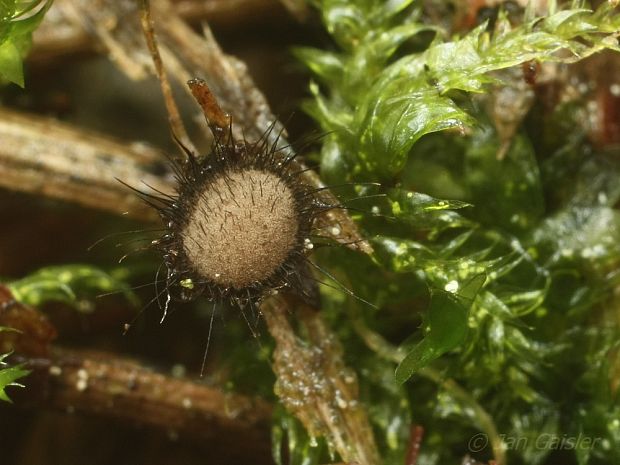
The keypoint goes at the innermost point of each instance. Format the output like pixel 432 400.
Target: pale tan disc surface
pixel 242 228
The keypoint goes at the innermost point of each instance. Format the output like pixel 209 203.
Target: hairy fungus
pixel 240 224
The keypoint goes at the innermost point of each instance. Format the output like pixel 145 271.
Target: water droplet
pixel 187 283
pixel 452 286
pixel 55 370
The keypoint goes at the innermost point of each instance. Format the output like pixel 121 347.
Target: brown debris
pixel 32 332
pixel 214 114
pixel 508 106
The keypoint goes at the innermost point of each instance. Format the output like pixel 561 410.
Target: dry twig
pixel 44 157
pixel 105 384
pixel 314 383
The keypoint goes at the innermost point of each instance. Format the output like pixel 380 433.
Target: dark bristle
pixel 245 183
pixel 198 196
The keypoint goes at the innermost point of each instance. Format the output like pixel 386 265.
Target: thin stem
pixel 174 117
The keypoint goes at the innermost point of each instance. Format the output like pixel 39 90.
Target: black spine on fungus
pixel 239 225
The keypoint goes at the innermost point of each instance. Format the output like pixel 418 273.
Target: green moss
pixel 74 285
pixel 18 19
pixel 528 353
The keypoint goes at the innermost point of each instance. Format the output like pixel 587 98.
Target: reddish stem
pixel 415 441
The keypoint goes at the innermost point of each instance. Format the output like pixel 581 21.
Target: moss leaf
pixel 447 327
pixel 11 67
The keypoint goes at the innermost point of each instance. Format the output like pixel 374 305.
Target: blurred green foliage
pixel 18 19
pixel 497 305
pixel 75 285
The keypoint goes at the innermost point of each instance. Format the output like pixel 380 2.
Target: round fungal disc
pixel 242 228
